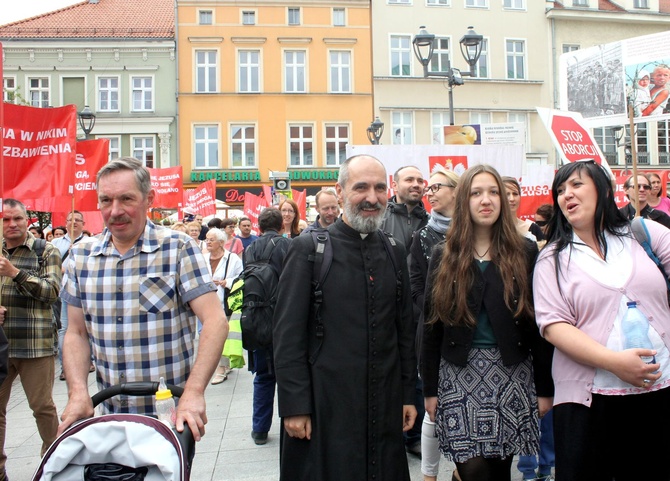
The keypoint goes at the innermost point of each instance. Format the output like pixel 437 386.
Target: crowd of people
pixel 461 332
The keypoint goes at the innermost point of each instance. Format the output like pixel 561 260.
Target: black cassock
pixel 365 368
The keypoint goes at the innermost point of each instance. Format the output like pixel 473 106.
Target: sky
pixel 29 8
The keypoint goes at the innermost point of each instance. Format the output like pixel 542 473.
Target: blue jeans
pixel 529 464
pixel 264 393
pixel 61 331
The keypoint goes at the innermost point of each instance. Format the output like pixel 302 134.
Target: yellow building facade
pixel 270 86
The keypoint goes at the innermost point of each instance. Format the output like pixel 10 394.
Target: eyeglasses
pixel 69 221
pixel 640 187
pixel 541 223
pixel 436 187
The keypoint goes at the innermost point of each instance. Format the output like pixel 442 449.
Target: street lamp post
pixel 375 131
pixel 86 120
pixel 471 49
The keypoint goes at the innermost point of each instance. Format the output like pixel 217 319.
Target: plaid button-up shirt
pixel 28 298
pixel 136 308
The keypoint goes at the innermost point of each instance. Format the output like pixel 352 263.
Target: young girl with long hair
pixel 479 334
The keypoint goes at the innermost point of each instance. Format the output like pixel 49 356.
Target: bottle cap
pixel 631 303
pixel 163 391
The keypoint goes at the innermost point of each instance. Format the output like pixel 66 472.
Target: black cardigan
pixel 517 338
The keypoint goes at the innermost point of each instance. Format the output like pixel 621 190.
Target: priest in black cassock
pixel 346 397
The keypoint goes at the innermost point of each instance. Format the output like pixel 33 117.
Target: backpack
pixel 641 233
pixel 323 258
pixel 254 291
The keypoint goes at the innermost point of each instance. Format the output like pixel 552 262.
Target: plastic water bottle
pixel 165 405
pixel 635 328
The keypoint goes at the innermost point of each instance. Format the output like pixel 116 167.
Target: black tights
pixel 485 469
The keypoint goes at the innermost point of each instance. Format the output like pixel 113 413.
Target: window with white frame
pixel 9 89
pixel 114 147
pixel 478 118
pixel 604 137
pixel 144 150
pixel 294 15
pixel 567 47
pixel 108 94
pixel 243 145
pixel 205 17
pixel 142 94
pixel 38 92
pixel 294 71
pixel 339 17
pixel 439 62
pixel 439 121
pixel 515 51
pixel 205 70
pixel 641 4
pixel 401 52
pixel 301 145
pixel 663 135
pixel 206 145
pixel 476 3
pixel 521 118
pixel 401 123
pixel 400 2
pixel 514 4
pixel 248 17
pixel 337 138
pixel 340 71
pixel 249 70
pixel 580 3
pixel 482 65
pixel 441 3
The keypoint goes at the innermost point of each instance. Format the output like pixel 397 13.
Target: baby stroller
pixel 120 447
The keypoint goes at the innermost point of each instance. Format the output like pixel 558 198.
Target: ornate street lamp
pixel 471 49
pixel 375 131
pixel 86 120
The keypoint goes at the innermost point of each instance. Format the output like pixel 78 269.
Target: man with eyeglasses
pixel 644 188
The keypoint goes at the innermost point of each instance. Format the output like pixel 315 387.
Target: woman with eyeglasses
pixel 525 227
pixel 224 267
pixel 441 195
pixel 642 201
pixel 479 377
pixel 291 217
pixel 233 243
pixel 656 198
pixel 611 416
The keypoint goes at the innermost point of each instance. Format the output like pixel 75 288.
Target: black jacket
pixel 648 213
pixel 402 224
pixel 516 338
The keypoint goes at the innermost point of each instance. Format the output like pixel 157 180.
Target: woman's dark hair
pixel 38 231
pixel 214 223
pixel 60 227
pixel 546 211
pixel 607 216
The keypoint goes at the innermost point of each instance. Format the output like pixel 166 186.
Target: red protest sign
pixel 253 205
pixel 202 199
pixel 168 186
pixel 38 154
pixel 575 142
pixel 91 156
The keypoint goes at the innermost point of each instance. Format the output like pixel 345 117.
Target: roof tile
pixel 100 20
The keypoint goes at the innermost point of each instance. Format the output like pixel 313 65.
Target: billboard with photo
pixel 597 82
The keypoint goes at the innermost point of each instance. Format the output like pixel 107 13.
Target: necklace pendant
pixel 481 260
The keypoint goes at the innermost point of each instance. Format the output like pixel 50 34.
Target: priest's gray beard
pixel 360 223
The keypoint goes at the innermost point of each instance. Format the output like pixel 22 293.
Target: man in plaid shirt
pixel 28 288
pixel 136 290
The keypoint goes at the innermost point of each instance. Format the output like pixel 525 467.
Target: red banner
pixel 91 156
pixel 253 206
pixel 202 200
pixel 300 198
pixel 38 154
pixel 2 125
pixel 168 186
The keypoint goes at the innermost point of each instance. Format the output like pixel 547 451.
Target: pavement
pixel 226 452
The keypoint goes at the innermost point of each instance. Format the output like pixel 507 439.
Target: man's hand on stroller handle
pixel 191 410
pixel 79 406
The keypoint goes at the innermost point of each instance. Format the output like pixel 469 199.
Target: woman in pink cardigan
pixel 611 409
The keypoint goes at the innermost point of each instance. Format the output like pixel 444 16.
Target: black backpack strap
pixel 322 258
pixel 38 246
pixel 389 246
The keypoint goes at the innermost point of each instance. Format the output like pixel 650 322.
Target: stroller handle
pixel 137 388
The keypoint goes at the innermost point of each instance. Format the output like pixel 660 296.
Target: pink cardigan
pixel 591 306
